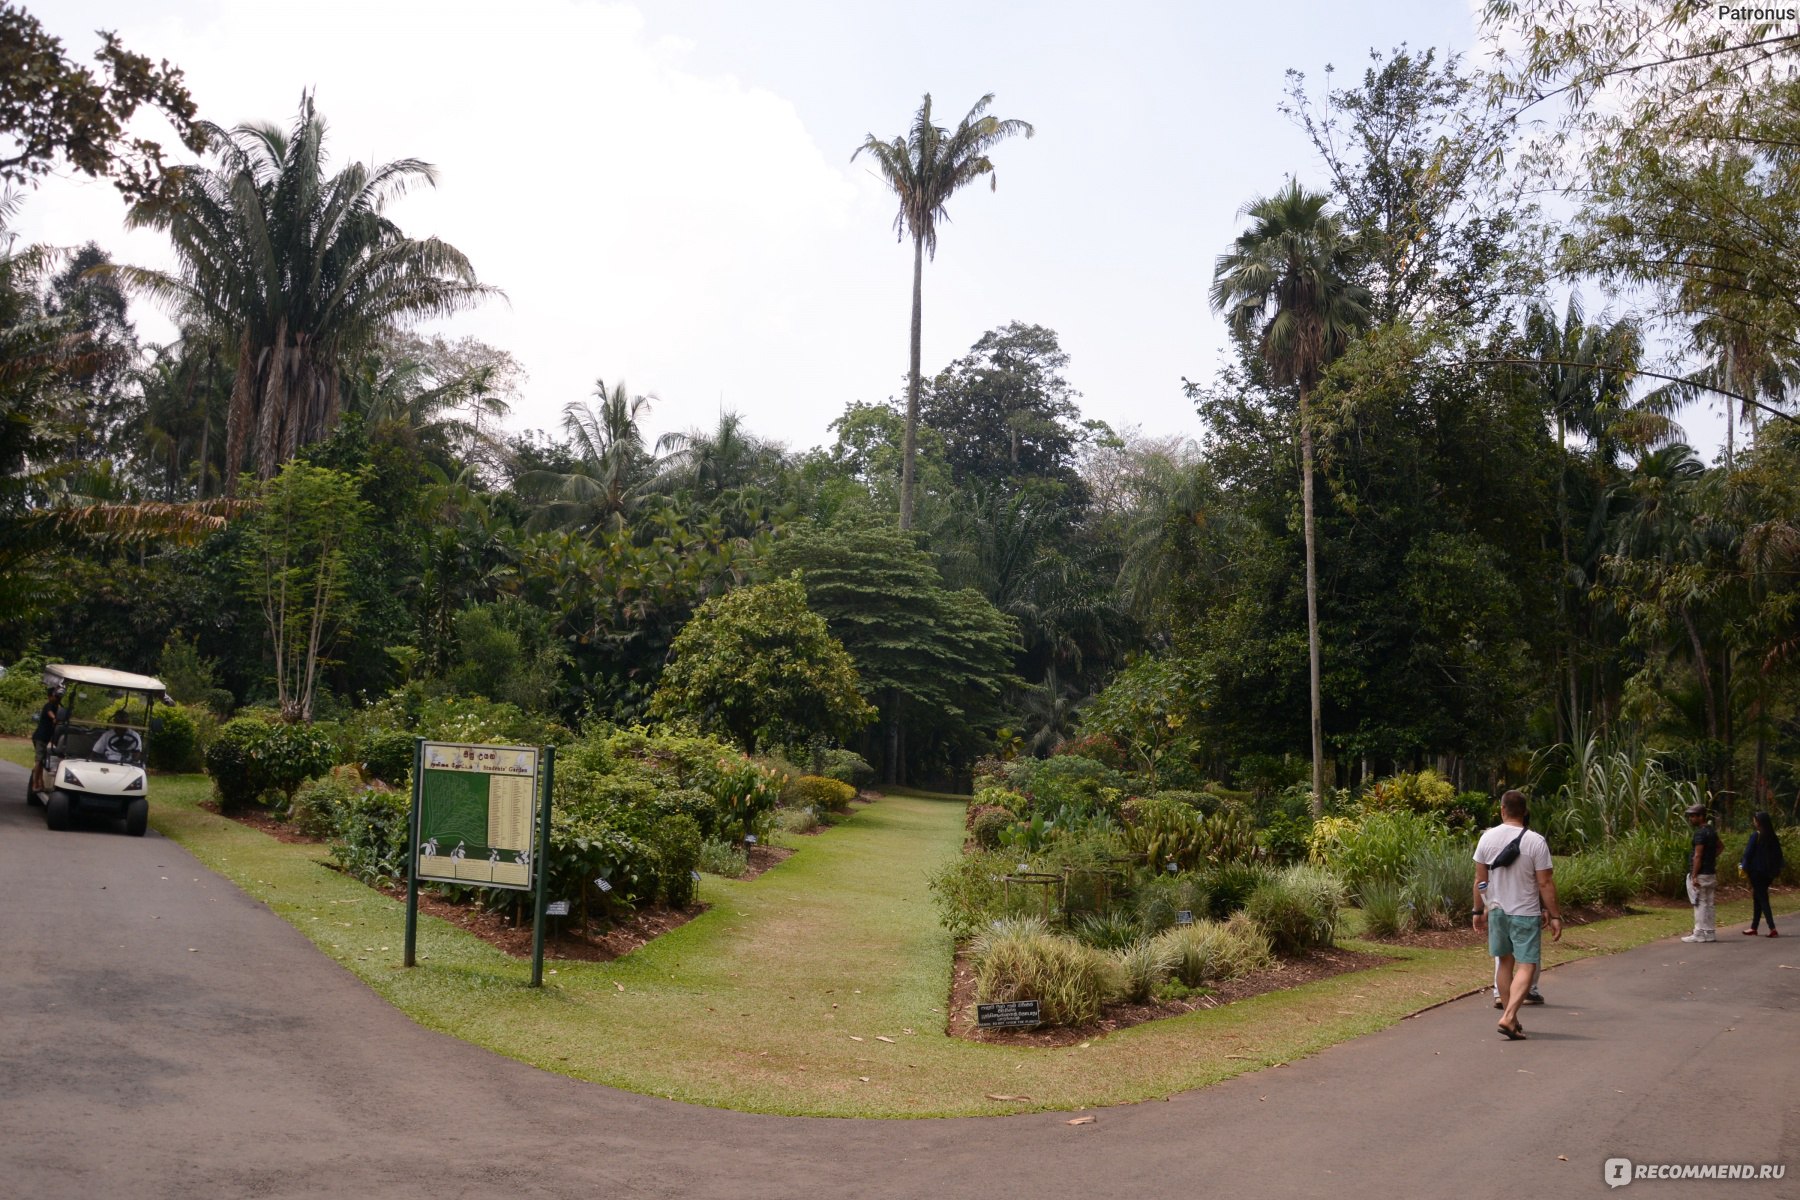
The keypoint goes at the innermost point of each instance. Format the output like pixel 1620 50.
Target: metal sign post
pixel 543 872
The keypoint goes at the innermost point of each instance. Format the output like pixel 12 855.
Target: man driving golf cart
pixel 93 765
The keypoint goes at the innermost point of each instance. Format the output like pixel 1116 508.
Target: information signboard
pixel 477 810
pixel 1009 1014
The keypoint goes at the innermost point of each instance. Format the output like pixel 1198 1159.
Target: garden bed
pixel 1322 963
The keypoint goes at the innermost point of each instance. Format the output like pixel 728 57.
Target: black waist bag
pixel 1510 855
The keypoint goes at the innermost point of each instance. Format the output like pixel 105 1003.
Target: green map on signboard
pixel 476 807
pixel 458 809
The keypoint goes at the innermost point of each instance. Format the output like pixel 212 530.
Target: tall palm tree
pixel 925 167
pixel 301 271
pixel 1285 284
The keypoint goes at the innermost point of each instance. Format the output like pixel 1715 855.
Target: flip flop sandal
pixel 1515 1034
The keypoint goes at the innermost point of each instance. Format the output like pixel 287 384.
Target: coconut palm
pixel 614 468
pixel 1285 286
pixel 300 271
pixel 925 167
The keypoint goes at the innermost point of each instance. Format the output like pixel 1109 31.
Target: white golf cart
pixel 95 764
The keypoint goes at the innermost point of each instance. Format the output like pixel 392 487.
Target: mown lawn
pixel 778 997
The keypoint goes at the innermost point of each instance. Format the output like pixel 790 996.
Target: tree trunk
pixel 1562 591
pixel 910 446
pixel 1312 608
pixel 240 413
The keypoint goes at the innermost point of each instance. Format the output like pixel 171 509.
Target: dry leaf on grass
pixel 1003 1096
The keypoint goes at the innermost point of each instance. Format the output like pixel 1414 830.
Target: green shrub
pixel 1069 781
pixel 987 825
pixel 1438 890
pixel 235 762
pixel 969 893
pixel 1021 960
pixel 319 807
pixel 727 859
pixel 1228 887
pixel 816 791
pixel 743 791
pixel 1142 966
pixel 1298 908
pixel 845 766
pixel 179 743
pixel 373 835
pixel 1374 846
pixel 292 754
pixel 1383 912
pixel 1283 837
pixel 675 844
pixel 387 755
pixel 1423 792
pixel 797 820
pixel 1016 803
pixel 1160 831
pixel 1216 951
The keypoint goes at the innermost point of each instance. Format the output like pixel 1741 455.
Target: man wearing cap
pixel 1513 889
pixel 1703 875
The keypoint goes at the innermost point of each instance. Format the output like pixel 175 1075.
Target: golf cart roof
pixel 102 677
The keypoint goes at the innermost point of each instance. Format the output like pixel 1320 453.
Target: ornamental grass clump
pixel 1216 951
pixel 1143 965
pixel 1298 908
pixel 1596 877
pixel 1021 959
pixel 1439 887
pixel 1384 913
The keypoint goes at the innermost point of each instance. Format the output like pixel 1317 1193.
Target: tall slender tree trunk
pixel 1312 607
pixel 910 446
pixel 1562 591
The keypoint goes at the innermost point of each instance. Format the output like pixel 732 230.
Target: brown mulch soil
pixel 762 858
pixel 1287 973
pixel 499 931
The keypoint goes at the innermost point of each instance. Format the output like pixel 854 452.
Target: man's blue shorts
pixel 1518 938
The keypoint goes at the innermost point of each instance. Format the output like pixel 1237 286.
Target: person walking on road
pixel 1513 891
pixel 1762 863
pixel 1703 876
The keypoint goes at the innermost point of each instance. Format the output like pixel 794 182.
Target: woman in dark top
pixel 1762 863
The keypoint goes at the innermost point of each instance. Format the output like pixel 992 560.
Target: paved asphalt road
pixel 132 1067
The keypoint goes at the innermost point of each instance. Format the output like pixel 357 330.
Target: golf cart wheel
pixel 137 817
pixel 33 799
pixel 56 810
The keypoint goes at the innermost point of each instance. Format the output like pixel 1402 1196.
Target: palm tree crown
pixel 925 167
pixel 302 271
pixel 1285 282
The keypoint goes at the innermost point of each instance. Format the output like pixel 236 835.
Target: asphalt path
pixel 163 1035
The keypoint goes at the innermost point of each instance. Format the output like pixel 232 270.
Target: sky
pixel 665 191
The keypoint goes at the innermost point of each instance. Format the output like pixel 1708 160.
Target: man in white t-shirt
pixel 1512 870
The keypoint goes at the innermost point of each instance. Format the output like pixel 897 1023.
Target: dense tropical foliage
pixel 1435 514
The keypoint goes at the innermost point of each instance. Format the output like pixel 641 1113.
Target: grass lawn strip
pixel 775 999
